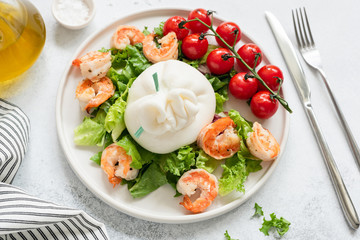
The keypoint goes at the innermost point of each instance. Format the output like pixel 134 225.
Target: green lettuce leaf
pixel 96 158
pixel 233 176
pixel 211 47
pixel 159 31
pixel 152 178
pixel 253 165
pixel 91 131
pixel 197 62
pixel 136 59
pixel 220 86
pixel 193 63
pixel 114 121
pixel 103 50
pixel 129 146
pixel 216 83
pixel 146 31
pixel 220 100
pixel 242 126
pixel 206 162
pixel 126 66
pixel 172 180
pixel 118 59
pixel 177 162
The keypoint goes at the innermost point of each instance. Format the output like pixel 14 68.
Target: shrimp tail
pixel 196 207
pixel 76 62
pixel 114 180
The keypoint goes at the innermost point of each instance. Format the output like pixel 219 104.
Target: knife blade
pixel 303 89
pixel 290 56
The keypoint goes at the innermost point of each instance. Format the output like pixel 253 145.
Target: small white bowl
pixel 67 24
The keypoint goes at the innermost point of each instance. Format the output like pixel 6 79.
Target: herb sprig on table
pixel 281 225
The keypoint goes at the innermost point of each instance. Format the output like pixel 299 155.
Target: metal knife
pixel 298 76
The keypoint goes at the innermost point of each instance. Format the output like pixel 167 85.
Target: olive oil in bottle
pixel 22 37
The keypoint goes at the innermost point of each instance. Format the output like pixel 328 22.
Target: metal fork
pixel 311 56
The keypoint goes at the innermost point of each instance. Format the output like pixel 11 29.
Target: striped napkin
pixel 23 216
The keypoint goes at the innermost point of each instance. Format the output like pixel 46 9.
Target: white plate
pixel 160 205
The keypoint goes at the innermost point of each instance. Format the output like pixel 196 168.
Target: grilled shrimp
pixel 126 35
pixel 116 164
pixel 94 65
pixel 92 94
pixel 262 143
pixel 219 139
pixel 168 48
pixel 197 179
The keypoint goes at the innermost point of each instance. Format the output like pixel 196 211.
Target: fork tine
pixel 296 30
pixel 303 44
pixel 307 42
pixel 308 27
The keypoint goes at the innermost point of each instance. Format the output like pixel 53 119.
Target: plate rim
pixel 186 218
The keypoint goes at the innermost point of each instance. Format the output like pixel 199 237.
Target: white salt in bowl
pixel 73 14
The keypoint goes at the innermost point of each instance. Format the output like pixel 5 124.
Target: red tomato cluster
pixel 221 60
pixel 244 86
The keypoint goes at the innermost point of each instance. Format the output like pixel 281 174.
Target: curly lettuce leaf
pixel 242 126
pixel 233 176
pixel 136 59
pixel 159 31
pixel 126 66
pixel 179 161
pixel 118 59
pixel 220 100
pixel 206 162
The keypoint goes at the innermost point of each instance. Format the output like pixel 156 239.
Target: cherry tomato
pixel 262 105
pixel 194 48
pixel 248 52
pixel 227 30
pixel 270 75
pixel 172 25
pixel 196 26
pixel 216 63
pixel 243 88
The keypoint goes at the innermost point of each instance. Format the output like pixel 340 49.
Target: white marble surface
pixel 300 189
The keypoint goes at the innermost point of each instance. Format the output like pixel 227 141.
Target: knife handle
pixel 343 195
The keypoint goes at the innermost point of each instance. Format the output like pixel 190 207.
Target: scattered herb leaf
pixel 281 225
pixel 258 210
pixel 227 236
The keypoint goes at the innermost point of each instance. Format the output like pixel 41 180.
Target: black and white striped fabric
pixel 14 137
pixel 23 216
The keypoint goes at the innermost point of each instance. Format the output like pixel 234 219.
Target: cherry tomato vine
pixel 273 94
